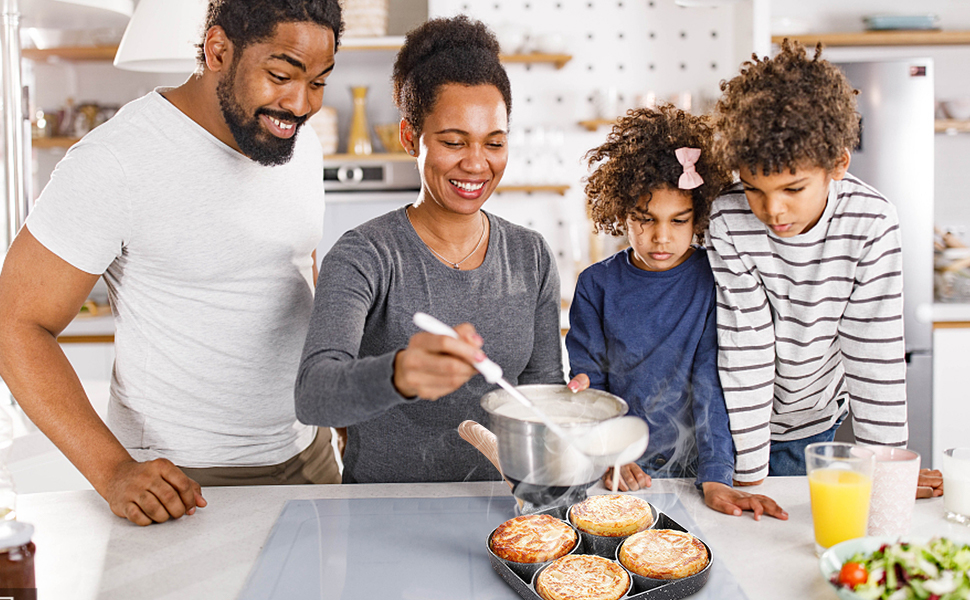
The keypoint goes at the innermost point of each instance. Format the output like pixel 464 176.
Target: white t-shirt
pixel 207 258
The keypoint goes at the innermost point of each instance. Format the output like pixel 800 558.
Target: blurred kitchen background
pixel 575 65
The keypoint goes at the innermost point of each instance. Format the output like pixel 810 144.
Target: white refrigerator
pixel 895 156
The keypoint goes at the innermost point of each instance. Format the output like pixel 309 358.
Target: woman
pixel 365 365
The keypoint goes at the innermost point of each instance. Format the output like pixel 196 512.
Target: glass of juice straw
pixel 840 485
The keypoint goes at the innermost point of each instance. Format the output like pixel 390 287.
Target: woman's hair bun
pixel 441 35
pixel 440 51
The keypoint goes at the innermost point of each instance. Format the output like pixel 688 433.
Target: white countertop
pixel 943 312
pixel 84 551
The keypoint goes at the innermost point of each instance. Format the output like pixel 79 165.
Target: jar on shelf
pixel 8 495
pixel 17 560
pixel 952 277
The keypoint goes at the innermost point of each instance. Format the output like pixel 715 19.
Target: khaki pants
pixel 316 464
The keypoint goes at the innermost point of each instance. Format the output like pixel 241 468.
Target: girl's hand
pixel 579 383
pixel 632 478
pixel 433 366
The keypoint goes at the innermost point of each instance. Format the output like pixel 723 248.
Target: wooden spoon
pixel 484 440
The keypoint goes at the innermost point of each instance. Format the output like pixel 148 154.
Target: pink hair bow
pixel 688 158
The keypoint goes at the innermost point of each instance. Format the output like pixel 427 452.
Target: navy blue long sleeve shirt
pixel 650 337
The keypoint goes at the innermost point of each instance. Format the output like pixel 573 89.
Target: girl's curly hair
pixel 786 112
pixel 639 157
pixel 441 51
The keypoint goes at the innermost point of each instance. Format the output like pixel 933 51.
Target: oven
pixel 361 188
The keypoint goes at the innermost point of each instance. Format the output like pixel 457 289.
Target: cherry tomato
pixel 853 574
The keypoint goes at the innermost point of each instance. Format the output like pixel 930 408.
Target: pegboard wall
pixel 628 49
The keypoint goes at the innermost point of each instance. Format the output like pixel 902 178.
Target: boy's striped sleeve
pixel 746 354
pixel 871 340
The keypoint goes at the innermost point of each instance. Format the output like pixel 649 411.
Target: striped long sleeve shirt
pixel 809 326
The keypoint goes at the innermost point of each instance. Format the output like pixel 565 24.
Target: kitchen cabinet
pixel 951 394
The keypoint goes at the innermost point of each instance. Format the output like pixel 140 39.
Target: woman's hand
pixel 632 478
pixel 433 366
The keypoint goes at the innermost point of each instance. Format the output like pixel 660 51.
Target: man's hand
pixel 433 366
pixel 153 491
pixel 632 478
pixel 730 501
pixel 930 484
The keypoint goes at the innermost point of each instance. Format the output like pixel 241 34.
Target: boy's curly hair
pixel 786 112
pixel 638 157
pixel 441 51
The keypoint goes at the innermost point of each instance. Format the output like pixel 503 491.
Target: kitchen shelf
pixel 71 53
pixel 392 43
pixel 380 156
pixel 880 38
pixel 533 189
pixel 952 126
pixel 594 124
pixel 557 60
pixel 54 142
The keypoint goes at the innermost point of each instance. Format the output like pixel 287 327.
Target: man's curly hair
pixel 638 157
pixel 251 21
pixel 441 51
pixel 786 112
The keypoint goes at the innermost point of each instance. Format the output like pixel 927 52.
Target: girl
pixel 642 322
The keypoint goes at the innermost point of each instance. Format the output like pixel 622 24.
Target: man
pixel 201 206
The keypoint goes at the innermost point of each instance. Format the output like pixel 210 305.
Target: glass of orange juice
pixel 840 484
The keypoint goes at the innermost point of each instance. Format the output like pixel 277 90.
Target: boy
pixel 808 267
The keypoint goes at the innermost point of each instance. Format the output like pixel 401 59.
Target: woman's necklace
pixel 454 265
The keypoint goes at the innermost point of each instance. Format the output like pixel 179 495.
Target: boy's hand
pixel 632 478
pixel 930 484
pixel 730 501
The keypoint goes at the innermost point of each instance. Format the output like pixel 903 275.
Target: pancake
pixel 533 539
pixel 615 515
pixel 583 576
pixel 663 554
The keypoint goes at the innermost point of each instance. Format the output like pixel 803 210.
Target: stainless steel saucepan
pixel 541 466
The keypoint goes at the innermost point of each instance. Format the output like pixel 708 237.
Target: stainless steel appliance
pixel 361 188
pixel 896 157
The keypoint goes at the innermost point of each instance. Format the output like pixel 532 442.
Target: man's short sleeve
pixel 83 215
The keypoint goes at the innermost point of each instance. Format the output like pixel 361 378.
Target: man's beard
pixel 253 140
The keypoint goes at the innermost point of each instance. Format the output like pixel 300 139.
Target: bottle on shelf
pixel 358 142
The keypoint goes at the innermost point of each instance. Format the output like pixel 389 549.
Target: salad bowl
pixel 951 551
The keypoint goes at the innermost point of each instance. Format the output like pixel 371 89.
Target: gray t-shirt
pixel 371 283
pixel 207 258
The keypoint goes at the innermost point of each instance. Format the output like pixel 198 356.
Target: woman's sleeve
pixel 335 388
pixel 545 364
